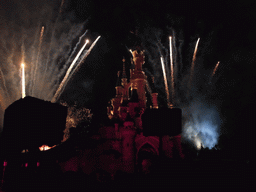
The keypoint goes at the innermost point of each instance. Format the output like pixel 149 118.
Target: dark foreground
pixel 196 175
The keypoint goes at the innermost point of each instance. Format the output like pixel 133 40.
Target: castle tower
pixel 116 102
pixel 138 78
pixel 125 84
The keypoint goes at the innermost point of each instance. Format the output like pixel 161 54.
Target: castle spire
pixel 116 102
pixel 138 78
pixel 124 73
pixel 125 84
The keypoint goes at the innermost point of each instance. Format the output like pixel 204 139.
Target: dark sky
pixel 227 34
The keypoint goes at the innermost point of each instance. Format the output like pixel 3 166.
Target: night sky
pixel 227 34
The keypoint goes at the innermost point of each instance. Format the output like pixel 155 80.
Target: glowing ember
pixel 46 147
pixel 24 151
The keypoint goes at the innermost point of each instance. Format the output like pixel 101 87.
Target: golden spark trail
pixel 214 71
pixel 61 5
pixel 78 65
pixel 41 34
pixel 193 66
pixel 23 81
pixel 165 82
pixel 172 73
pixel 37 59
pixel 68 72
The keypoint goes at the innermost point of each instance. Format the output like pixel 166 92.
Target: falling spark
pixel 37 59
pixel 194 56
pixel 215 68
pixel 214 71
pixel 193 65
pixel 165 82
pixel 172 73
pixel 23 80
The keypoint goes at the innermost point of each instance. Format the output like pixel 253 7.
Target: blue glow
pixel 201 124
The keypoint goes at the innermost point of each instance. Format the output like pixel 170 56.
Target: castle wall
pixel 128 137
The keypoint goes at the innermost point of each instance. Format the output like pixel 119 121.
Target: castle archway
pixel 142 140
pixel 146 157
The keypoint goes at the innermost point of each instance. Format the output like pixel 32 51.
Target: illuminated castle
pixel 126 130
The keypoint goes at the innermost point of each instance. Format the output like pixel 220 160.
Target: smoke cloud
pixel 201 123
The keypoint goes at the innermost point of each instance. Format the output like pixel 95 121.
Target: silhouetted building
pixel 30 123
